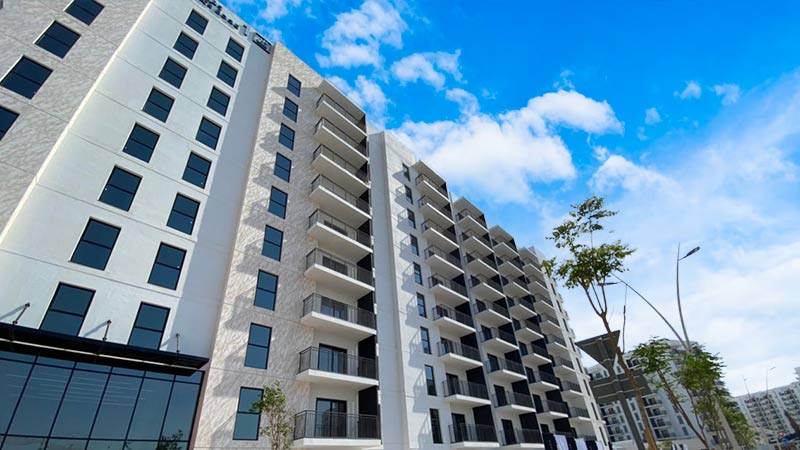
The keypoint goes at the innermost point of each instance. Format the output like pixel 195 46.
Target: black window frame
pixel 267 277
pixel 414 244
pixel 271 232
pixel 422 309
pixel 135 136
pixel 279 209
pixel 186 45
pixel 154 105
pixel 294 85
pixel 205 134
pixel 78 9
pixel 195 171
pixel 218 101
pixel 7 119
pixel 412 218
pixel 286 136
pixel 238 49
pixel 53 310
pixel 181 217
pixel 409 195
pixel 25 84
pixel 157 263
pixel 283 168
pixel 425 340
pixel 417 274
pixel 173 73
pixel 87 245
pixel 247 411
pixel 406 172
pixel 197 22
pixel 58 39
pixel 266 347
pixel 430 383
pixel 224 73
pixel 436 426
pixel 136 326
pixel 110 191
pixel 290 109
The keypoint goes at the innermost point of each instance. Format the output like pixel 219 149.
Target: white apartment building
pixel 189 213
pixel 767 410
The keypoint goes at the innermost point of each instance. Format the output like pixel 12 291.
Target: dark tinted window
pixel 266 290
pixel 235 49
pixel 26 77
pixel 95 246
pixel 277 202
pixel 290 109
pixel 183 215
pixel 173 73
pixel 412 219
pixel 409 195
pixel 406 172
pixel 417 274
pixel 67 310
pixel 185 45
pixel 258 347
pixel 84 10
pixel 421 310
pixel 414 245
pixel 436 427
pixel 120 189
pixel 283 167
pixel 7 118
pixel 273 241
pixel 286 137
pixel 294 85
pixel 141 143
pixel 158 105
pixel 430 380
pixel 218 101
pixel 247 422
pixel 197 22
pixel 58 39
pixel 425 339
pixel 196 171
pixel 167 266
pixel 208 133
pixel 227 73
pixel 149 326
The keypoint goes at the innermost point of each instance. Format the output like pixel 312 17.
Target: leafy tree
pixel 279 424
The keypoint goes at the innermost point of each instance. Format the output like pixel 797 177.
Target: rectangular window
pixel 412 219
pixel 257 354
pixel 58 39
pixel 286 137
pixel 277 202
pixel 425 339
pixel 173 73
pixel 95 246
pixel 67 310
pixel 158 105
pixel 248 421
pixel 84 10
pixel 26 77
pixel 273 242
pixel 294 85
pixel 197 22
pixel 7 118
pixel 235 49
pixel 290 109
pixel 218 101
pixel 167 267
pixel 141 143
pixel 227 73
pixel 414 245
pixel 148 329
pixel 430 380
pixel 436 427
pixel 421 309
pixel 196 171
pixel 417 274
pixel 406 172
pixel 120 189
pixel 185 45
pixel 283 167
pixel 266 290
pixel 183 215
pixel 208 133
pixel 409 195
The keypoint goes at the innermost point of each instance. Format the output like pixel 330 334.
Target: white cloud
pixel 467 102
pixel 600 153
pixel 692 90
pixel 366 93
pixel 564 80
pixel 730 93
pixel 356 37
pixel 429 67
pixel 651 116
pixel 640 134
pixel 269 11
pixel 618 171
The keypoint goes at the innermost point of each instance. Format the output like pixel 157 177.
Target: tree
pixel 588 267
pixel 279 424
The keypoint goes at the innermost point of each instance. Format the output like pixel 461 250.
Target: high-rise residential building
pixel 767 410
pixel 189 213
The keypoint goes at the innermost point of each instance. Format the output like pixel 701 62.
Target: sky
pixel 684 115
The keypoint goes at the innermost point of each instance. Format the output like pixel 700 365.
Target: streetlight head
pixel 691 252
pixel 609 283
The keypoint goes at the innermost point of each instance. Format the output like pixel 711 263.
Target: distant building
pixel 767 409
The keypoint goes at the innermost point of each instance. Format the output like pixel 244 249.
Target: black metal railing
pixel 570 386
pixel 436 280
pixel 430 225
pixel 553 406
pixel 556 340
pixel 578 412
pixel 314 358
pixel 546 377
pixel 529 324
pixel 360 123
pixel 441 311
pixel 446 346
pixel 545 300
pixel 436 251
pixel 539 350
pixel 423 178
pixel 345 268
pixel 510 244
pixel 360 147
pixel 463 214
pixel 549 318
pixel 465 432
pixel 357 172
pixel 563 362
pixel 513 261
pixel 488 260
pixel 332 308
pixel 477 280
pixel 323 218
pixel 469 233
pixel 520 436
pixel 424 200
pixel 526 302
pixel 342 193
pixel 487 334
pixel 493 365
pixel 512 398
pixel 467 388
pixel 483 306
pixel 330 425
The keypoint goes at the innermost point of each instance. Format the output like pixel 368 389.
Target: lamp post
pixel 678 260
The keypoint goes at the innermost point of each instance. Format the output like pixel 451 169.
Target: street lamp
pixel 678 286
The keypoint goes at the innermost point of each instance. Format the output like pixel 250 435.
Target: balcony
pixel 522 306
pixel 339 275
pixel 465 393
pixel 481 265
pixel 353 122
pixel 465 435
pixel 339 202
pixel 505 248
pixel 538 287
pixel 435 211
pixel 491 313
pixel 550 324
pixel 497 340
pixel 475 243
pixel 528 330
pixel 553 410
pixel 571 390
pixel 536 355
pixel 452 321
pixel 456 354
pixel 485 287
pixel 430 188
pixel 332 368
pixel 579 414
pixel 505 370
pixel 323 313
pixel 556 344
pixel 313 429
pixel 447 291
pixel 543 382
pixel 510 267
pixel 563 366
pixel 514 287
pixel 439 236
pixel 331 136
pixel 521 438
pixel 468 220
pixel 327 162
pixel 443 262
pixel 509 401
pixel 332 233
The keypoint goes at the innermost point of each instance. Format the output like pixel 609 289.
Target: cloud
pixel 356 37
pixel 600 153
pixel 467 102
pixel 429 67
pixel 692 90
pixel 640 134
pixel 618 171
pixel 564 80
pixel 274 9
pixel 730 93
pixel 651 116
pixel 366 93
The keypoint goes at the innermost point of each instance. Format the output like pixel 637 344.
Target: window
pixel 196 171
pixel 294 85
pixel 283 167
pixel 148 329
pixel 414 245
pixel 247 422
pixel 185 45
pixel 95 246
pixel 7 118
pixel 258 347
pixel 421 309
pixel 277 202
pixel 218 101
pixel 120 189
pixel 183 215
pixel 141 143
pixel 430 380
pixel 406 172
pixel 417 274
pixel 290 109
pixel 58 39
pixel 266 290
pixel 172 73
pixel 286 137
pixel 412 219
pixel 167 266
pixel 84 10
pixel 227 74
pixel 26 77
pixel 273 241
pixel 158 105
pixel 409 195
pixel 235 49
pixel 208 133
pixel 436 427
pixel 197 22
pixel 425 338
pixel 67 310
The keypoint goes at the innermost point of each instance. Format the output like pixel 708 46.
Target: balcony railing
pixel 549 318
pixel 564 362
pixel 509 243
pixel 556 340
pixel 446 346
pixel 578 412
pixel 467 388
pixel 441 311
pixel 423 178
pixel 545 300
pixel 571 386
pixel 541 351
pixel 360 123
pixel 486 259
pixel 433 250
pixel 360 147
pixel 465 213
pixel 428 224
pixel 483 306
pixel 345 268
pixel 526 302
pixel 340 192
pixel 487 334
pixel 553 406
pixel 512 398
pixel 341 162
pixel 513 261
pixel 325 360
pixel 455 286
pixel 323 218
pixel 330 425
pixel 546 377
pixel 465 432
pixel 588 437
pixel 424 200
pixel 475 280
pixel 469 233
pixel 520 436
pixel 493 365
pixel 338 310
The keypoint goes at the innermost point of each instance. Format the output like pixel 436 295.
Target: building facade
pixel 767 410
pixel 189 213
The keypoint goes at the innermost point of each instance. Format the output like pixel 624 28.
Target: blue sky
pixel 685 115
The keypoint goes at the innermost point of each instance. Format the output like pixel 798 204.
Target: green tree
pixel 279 424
